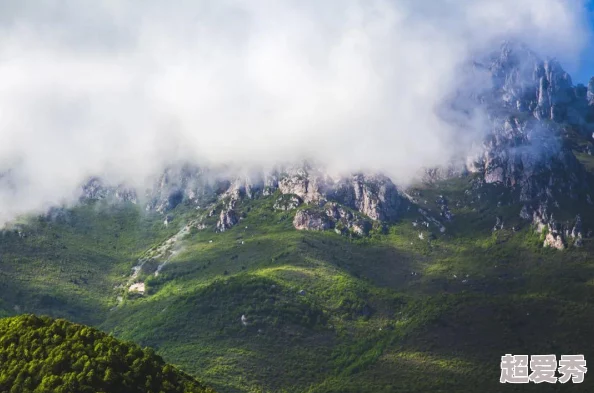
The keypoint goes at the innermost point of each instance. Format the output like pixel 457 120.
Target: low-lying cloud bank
pixel 120 89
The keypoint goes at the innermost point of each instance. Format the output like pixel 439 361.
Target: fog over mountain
pixel 120 90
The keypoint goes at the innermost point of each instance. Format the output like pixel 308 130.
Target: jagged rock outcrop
pixel 251 186
pixel 373 195
pixel 311 219
pixel 307 183
pixel 332 215
pixel 525 82
pixel 557 235
pixel 529 157
pixel 345 221
pixel 228 216
pixel 554 240
pixel 227 219
pixel 529 105
pixel 287 202
pixel 454 169
pixel 96 189
pixel 185 183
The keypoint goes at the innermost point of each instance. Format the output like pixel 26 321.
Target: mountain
pixel 294 279
pixel 43 355
pixel 537 147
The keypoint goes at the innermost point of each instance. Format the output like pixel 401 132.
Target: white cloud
pixel 119 88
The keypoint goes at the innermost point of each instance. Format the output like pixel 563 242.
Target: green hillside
pixel 323 312
pixel 45 355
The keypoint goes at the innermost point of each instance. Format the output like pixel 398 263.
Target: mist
pixel 122 89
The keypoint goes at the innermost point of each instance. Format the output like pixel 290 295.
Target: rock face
pixel 530 105
pixel 345 221
pixel 227 219
pixel 96 189
pixel 528 157
pixel 307 183
pixel 554 240
pixel 312 220
pixel 347 203
pixel 527 83
pixel 185 183
pixel 228 216
pixel 287 202
pixel 373 195
pixel 557 235
pixel 332 215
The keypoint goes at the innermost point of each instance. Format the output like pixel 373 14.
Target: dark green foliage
pixel 39 354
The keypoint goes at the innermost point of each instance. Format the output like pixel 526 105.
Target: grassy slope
pixel 387 313
pixel 67 266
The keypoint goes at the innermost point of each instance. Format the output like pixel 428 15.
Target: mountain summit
pixel 537 122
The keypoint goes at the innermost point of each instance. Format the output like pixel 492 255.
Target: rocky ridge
pixel 532 105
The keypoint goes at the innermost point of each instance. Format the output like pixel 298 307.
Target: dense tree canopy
pixel 40 354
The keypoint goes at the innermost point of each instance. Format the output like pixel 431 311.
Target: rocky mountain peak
pixel 531 105
pixel 527 83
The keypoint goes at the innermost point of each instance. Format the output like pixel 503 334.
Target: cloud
pixel 120 89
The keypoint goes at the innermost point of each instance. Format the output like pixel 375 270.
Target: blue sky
pixel 585 68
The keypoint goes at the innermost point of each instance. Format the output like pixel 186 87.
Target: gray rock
pixel 373 195
pixel 227 219
pixel 287 202
pixel 307 183
pixel 185 183
pixel 96 189
pixel 523 151
pixel 312 220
